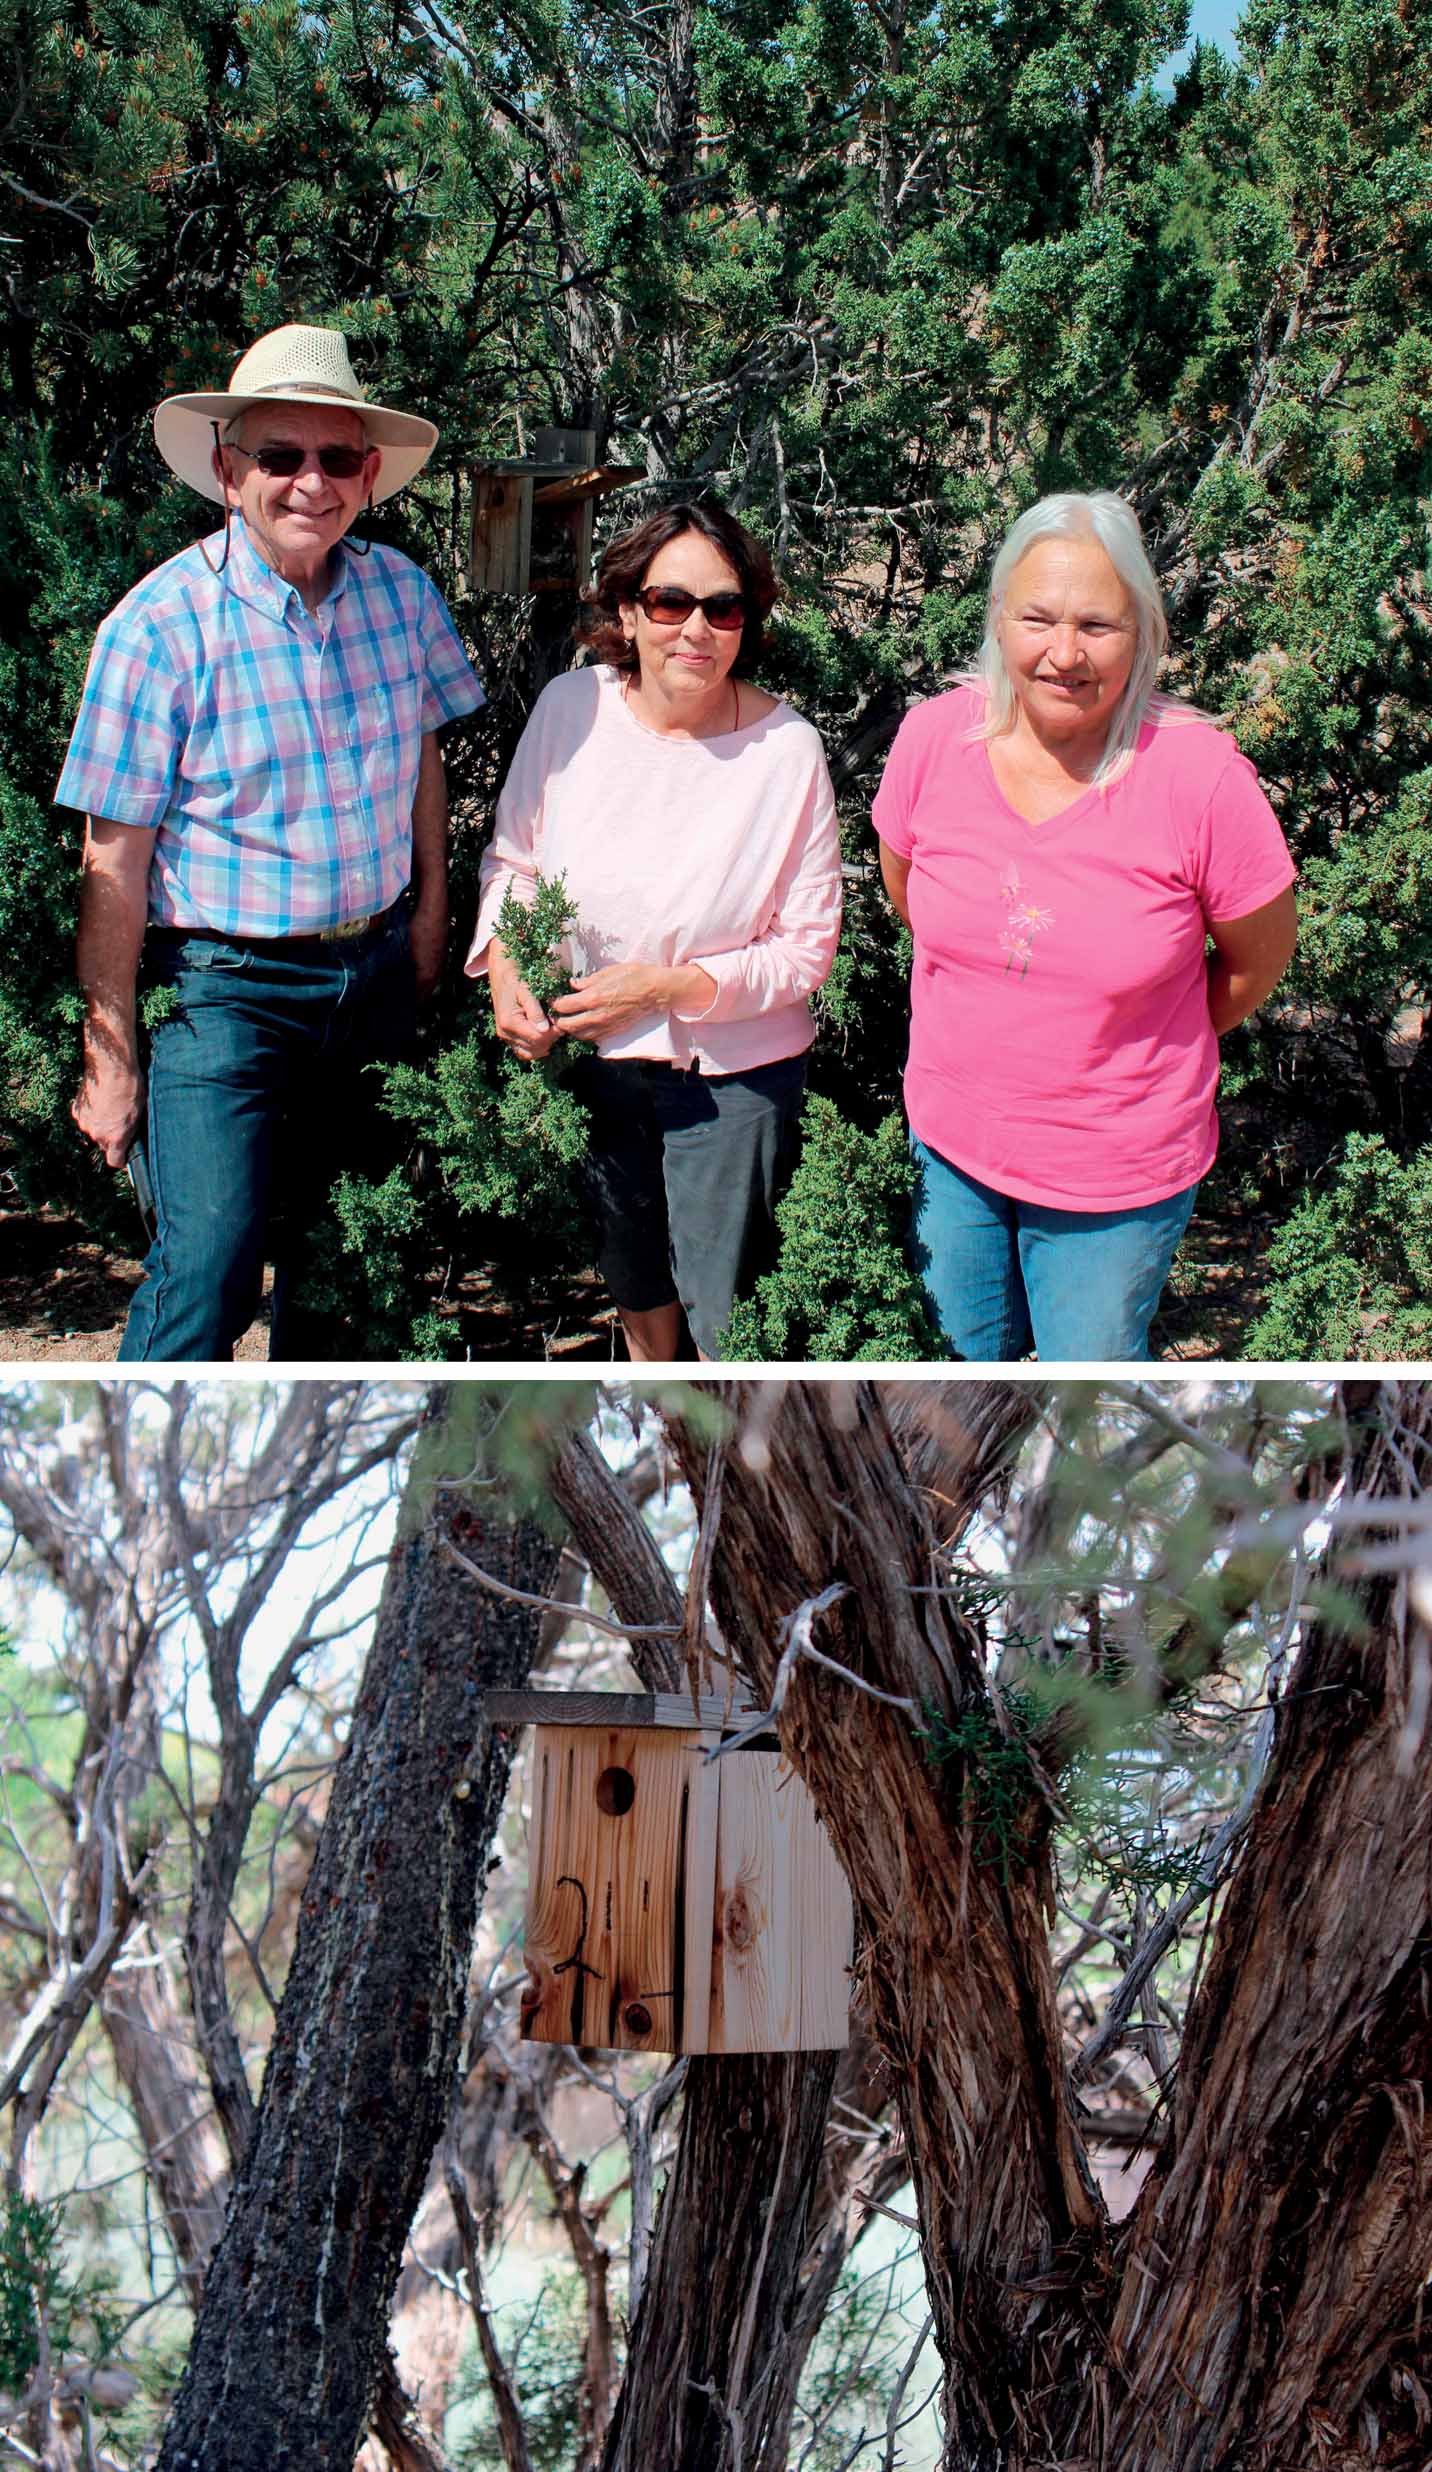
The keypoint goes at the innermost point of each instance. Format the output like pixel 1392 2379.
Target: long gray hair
pixel 1074 515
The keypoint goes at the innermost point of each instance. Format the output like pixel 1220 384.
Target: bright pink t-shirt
pixel 1060 1042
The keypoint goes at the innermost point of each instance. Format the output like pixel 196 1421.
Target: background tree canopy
pixel 882 275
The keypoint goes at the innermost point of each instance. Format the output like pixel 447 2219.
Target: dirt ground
pixel 63 1300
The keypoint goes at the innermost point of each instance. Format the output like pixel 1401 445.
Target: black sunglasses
pixel 670 605
pixel 282 463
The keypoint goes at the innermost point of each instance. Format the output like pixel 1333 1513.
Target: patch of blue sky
pixel 1210 21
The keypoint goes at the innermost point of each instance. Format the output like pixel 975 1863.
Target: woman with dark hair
pixel 692 818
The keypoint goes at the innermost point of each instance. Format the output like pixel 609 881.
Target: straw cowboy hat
pixel 295 364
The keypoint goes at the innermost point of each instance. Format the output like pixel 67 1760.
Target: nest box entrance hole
pixel 616 1792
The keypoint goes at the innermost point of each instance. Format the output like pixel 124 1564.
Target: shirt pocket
pixel 389 725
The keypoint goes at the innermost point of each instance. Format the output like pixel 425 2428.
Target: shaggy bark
pixel 288 2348
pixel 953 1961
pixel 1283 2244
pixel 704 2382
pixel 1261 2310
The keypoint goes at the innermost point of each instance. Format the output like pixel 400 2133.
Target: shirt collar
pixel 251 578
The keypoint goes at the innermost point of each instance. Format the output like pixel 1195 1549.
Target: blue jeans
pixel 1002 1275
pixel 254 1105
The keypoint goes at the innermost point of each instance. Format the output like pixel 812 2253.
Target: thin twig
pixel 554 1605
pixel 798 1627
pixel 897 2395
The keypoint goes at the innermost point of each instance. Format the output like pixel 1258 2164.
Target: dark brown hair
pixel 623 571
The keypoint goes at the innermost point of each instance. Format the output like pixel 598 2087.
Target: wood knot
pixel 636 2017
pixel 743 1920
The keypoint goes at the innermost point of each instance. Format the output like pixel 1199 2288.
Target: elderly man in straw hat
pixel 256 752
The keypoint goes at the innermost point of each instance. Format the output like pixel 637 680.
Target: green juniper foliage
pixel 1352 1268
pixel 1100 1790
pixel 996 1779
pixel 38 2286
pixel 1106 1727
pixel 1120 1839
pixel 31 2279
pixel 919 267
pixel 533 931
pixel 493 1146
pixel 490 1168
pixel 842 1288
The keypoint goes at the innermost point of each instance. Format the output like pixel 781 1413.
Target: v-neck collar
pixel 1044 824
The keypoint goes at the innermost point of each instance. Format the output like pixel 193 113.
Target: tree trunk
pixel 289 2343
pixel 702 2384
pixel 1261 2309
pixel 953 1962
pixel 1281 2249
pixel 718 2348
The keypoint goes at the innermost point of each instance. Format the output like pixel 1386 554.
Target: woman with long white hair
pixel 1064 844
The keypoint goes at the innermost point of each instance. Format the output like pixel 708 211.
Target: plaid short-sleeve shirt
pixel 274 750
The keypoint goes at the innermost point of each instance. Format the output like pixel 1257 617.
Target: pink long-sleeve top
pixel 722 851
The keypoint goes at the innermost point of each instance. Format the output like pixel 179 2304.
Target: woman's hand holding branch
pixel 521 1023
pixel 609 1000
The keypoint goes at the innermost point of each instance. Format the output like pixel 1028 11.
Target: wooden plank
pixel 501 553
pixel 623 1824
pixel 823 1923
pixel 596 483
pixel 783 1930
pixel 630 1708
pixel 697 1892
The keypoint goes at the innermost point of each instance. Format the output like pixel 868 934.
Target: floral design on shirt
pixel 1026 920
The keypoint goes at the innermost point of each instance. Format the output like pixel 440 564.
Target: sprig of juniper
pixel 532 933
pixel 1100 1797
pixel 995 1786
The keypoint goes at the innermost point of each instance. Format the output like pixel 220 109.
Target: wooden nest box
pixel 675 1903
pixel 532 517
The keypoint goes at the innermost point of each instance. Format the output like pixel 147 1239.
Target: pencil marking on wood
pixel 576 1962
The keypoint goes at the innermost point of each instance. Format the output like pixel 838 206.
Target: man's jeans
pixel 1001 1273
pixel 255 1104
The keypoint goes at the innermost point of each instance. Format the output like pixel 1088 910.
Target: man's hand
pixel 109 1104
pixel 627 991
pixel 428 933
pixel 519 1019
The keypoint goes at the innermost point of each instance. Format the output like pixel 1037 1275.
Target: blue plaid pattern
pixel 273 750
